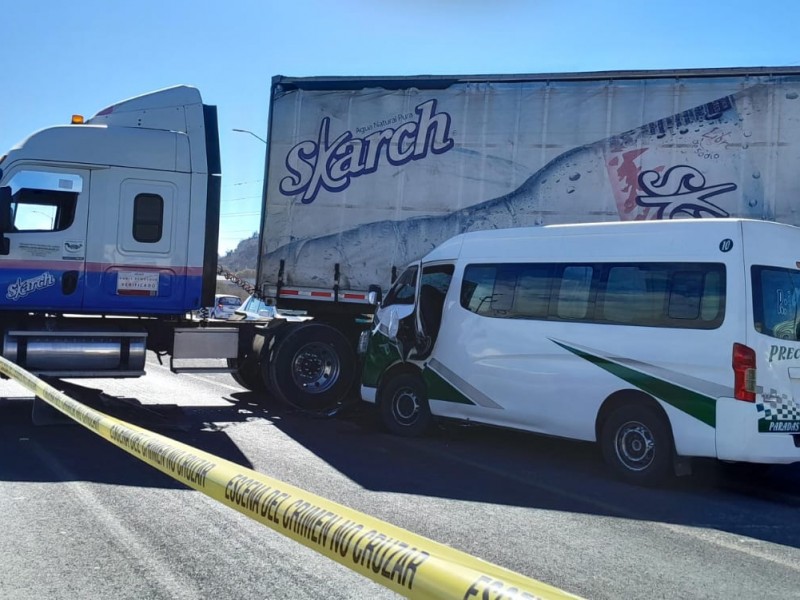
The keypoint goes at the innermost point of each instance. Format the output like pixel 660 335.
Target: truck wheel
pixel 403 404
pixel 312 367
pixel 248 378
pixel 637 444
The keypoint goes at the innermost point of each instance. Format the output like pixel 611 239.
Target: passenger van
pixel 659 340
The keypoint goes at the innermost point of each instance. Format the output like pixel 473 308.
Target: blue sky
pixel 61 58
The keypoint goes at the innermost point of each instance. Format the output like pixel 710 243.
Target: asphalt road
pixel 82 519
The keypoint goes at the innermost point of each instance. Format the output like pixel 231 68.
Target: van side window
pixel 574 292
pixel 682 295
pixel 685 295
pixel 433 290
pixel 148 218
pixel 517 291
pixel 664 295
pixel 530 289
pixel 477 288
pixel 633 295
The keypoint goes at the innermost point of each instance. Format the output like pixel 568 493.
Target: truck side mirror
pixel 5 209
pixel 5 218
pixel 374 295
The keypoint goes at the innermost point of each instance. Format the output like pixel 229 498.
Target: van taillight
pixel 744 372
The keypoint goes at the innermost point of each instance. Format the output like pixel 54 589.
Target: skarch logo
pixel 23 287
pixel 331 165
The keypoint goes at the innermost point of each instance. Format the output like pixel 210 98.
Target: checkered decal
pixel 777 407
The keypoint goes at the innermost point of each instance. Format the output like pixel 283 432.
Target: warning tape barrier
pixel 407 563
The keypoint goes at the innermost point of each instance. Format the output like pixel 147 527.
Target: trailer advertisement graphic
pixel 680 191
pixel 321 163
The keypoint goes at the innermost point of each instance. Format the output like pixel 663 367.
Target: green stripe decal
pixel 697 405
pixel 439 389
pixel 382 353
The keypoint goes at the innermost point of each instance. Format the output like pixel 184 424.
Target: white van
pixel 660 340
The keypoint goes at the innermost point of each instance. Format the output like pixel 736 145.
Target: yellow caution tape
pixel 409 564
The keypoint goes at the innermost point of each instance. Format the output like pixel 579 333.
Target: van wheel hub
pixel 635 446
pixel 406 406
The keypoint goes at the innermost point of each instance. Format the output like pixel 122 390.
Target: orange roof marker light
pixel 77 120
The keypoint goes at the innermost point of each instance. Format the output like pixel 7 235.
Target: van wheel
pixel 403 404
pixel 312 368
pixel 637 444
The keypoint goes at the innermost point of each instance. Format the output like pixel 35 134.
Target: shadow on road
pixel 475 464
pixel 31 431
pixel 500 467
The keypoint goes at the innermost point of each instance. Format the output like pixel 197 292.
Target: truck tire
pixel 403 405
pixel 248 378
pixel 637 444
pixel 312 367
pixel 248 363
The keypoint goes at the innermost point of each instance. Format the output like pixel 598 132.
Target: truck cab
pixel 101 212
pixel 116 216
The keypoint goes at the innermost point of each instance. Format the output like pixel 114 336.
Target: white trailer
pixel 365 175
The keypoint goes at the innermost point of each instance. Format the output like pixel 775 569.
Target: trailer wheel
pixel 637 444
pixel 312 367
pixel 403 405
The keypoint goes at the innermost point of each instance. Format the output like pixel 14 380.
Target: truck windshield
pixel 776 293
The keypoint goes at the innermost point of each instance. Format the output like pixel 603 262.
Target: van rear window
pixel 776 298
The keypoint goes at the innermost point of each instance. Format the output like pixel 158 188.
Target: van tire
pixel 403 405
pixel 637 444
pixel 312 367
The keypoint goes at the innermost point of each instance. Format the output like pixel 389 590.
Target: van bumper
pixel 738 437
pixel 368 394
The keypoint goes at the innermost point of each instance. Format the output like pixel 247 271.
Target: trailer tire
pixel 637 444
pixel 403 405
pixel 312 367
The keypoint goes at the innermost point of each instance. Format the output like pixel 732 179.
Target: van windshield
pixel 776 296
pixel 404 289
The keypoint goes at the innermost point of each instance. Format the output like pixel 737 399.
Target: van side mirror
pixel 5 219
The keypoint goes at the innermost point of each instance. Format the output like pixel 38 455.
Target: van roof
pixel 698 230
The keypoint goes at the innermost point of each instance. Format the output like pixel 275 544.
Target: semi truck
pixel 109 225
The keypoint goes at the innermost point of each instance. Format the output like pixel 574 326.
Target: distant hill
pixel 242 258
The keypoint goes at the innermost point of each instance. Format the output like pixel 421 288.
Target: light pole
pixel 259 138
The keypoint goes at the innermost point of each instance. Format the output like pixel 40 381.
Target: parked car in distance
pixel 255 309
pixel 224 306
